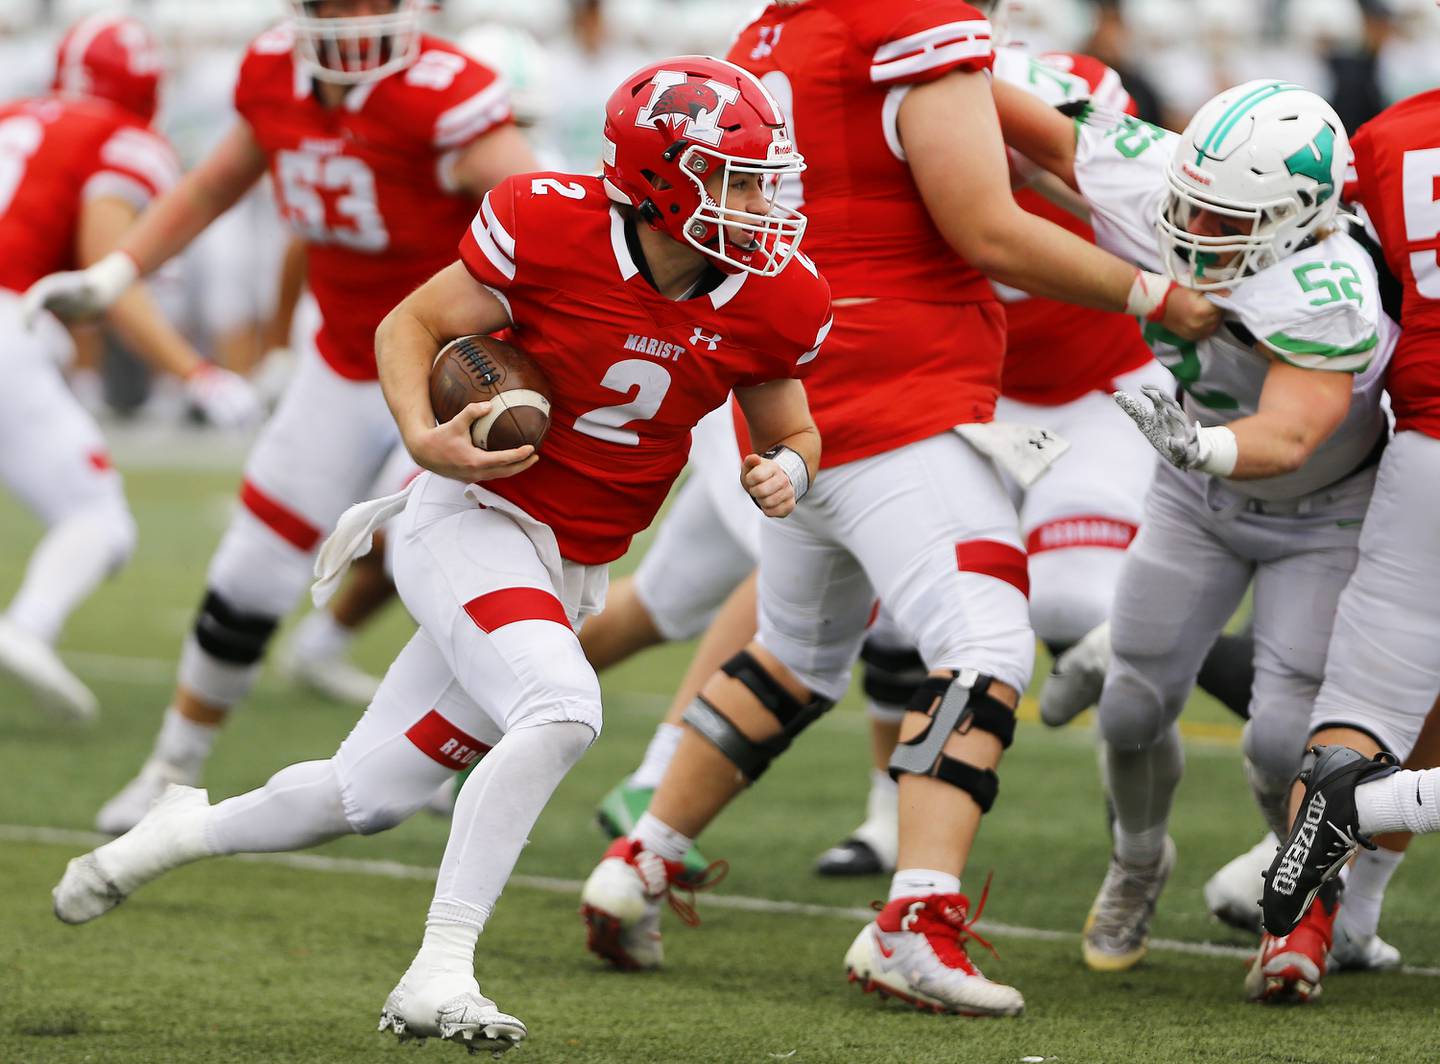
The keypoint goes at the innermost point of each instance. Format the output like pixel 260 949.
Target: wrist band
pixel 1149 293
pixel 793 466
pixel 1219 450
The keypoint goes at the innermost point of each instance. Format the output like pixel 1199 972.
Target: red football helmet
pixel 112 57
pixel 669 125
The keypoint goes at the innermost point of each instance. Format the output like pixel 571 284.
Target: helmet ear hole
pixel 658 183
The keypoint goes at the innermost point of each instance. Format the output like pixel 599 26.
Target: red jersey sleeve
pixel 254 83
pixel 488 247
pixel 1355 187
pixel 928 41
pixel 472 102
pixel 134 164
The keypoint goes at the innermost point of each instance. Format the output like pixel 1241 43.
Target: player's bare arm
pixel 1299 409
pixel 957 156
pixel 450 304
pixel 778 416
pixel 485 162
pixel 1037 131
pixel 165 229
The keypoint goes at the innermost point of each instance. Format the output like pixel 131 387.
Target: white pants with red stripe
pixel 1080 516
pixel 320 453
pixel 929 529
pixel 54 460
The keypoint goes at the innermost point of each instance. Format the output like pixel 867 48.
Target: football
pixel 473 369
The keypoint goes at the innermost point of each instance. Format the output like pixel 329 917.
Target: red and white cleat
pixel 1288 968
pixel 915 951
pixel 620 903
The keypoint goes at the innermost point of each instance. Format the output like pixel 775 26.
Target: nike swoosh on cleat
pixel 886 953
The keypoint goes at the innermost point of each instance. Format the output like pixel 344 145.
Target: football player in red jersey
pixel 909 199
pixel 646 295
pixel 1383 658
pixel 76 168
pixel 379 139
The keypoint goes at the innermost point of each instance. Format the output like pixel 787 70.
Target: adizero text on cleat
pixel 1324 836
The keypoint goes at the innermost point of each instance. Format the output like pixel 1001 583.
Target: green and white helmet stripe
pixel 1213 144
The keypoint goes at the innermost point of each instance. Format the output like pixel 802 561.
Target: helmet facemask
pixel 356 49
pixel 766 241
pixel 1266 233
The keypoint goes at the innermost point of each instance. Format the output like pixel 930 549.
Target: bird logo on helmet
pixel 110 57
pixel 669 156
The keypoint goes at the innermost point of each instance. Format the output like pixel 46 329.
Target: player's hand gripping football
pixel 447 449
pixel 769 485
pixel 76 295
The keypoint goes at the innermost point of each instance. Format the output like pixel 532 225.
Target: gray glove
pixel 1165 425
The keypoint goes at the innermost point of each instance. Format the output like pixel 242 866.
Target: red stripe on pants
pixel 990 557
pixel 442 742
pixel 1087 531
pixel 280 519
pixel 508 605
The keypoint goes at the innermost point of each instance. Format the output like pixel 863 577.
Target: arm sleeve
pixel 488 247
pixel 135 165
pixel 929 43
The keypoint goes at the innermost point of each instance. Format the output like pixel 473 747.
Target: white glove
pixel 80 294
pixel 1183 443
pixel 226 399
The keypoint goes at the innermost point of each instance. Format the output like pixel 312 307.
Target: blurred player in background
pixel 498 574
pixel 76 169
pixel 1269 464
pixel 1383 667
pixel 910 204
pixel 379 138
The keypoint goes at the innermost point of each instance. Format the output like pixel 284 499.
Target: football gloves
pixel 1182 442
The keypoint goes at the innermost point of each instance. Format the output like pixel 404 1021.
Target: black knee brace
pixel 955 704
pixel 750 757
pixel 891 675
pixel 232 636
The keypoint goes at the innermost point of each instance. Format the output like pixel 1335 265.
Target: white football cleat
pixel 34 663
pixel 914 950
pixel 124 811
pixel 1350 952
pixel 1117 931
pixel 621 906
pixel 171 834
pixel 330 674
pixel 1233 894
pixel 1077 678
pixel 449 1006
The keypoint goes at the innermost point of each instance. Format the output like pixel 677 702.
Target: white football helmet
pixel 1265 162
pixel 356 49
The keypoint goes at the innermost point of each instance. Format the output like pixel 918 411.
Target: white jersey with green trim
pixel 1318 309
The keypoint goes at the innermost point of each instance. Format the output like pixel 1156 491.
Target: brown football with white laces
pixel 474 369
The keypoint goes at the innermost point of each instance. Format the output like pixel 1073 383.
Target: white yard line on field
pixel 396 870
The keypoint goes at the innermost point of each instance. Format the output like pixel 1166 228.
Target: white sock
pixel 1140 849
pixel 65 568
pixel 299 807
pixel 660 838
pixel 448 947
pixel 657 756
pixel 1365 890
pixel 320 636
pixel 1408 800
pixel 921 882
pixel 498 805
pixel 184 743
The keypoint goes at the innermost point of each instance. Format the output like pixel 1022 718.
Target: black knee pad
pixel 955 704
pixel 891 675
pixel 750 757
pixel 230 635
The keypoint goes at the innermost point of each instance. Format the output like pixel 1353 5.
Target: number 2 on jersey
pixel 608 422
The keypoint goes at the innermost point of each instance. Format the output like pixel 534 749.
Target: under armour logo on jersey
pixel 690 107
pixel 700 336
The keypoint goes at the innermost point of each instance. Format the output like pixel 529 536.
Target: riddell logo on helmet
pixel 689 106
pixel 1200 177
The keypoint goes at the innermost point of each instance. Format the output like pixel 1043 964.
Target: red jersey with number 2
pixel 631 371
pixel 366 184
pixel 1397 179
pixel 56 153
